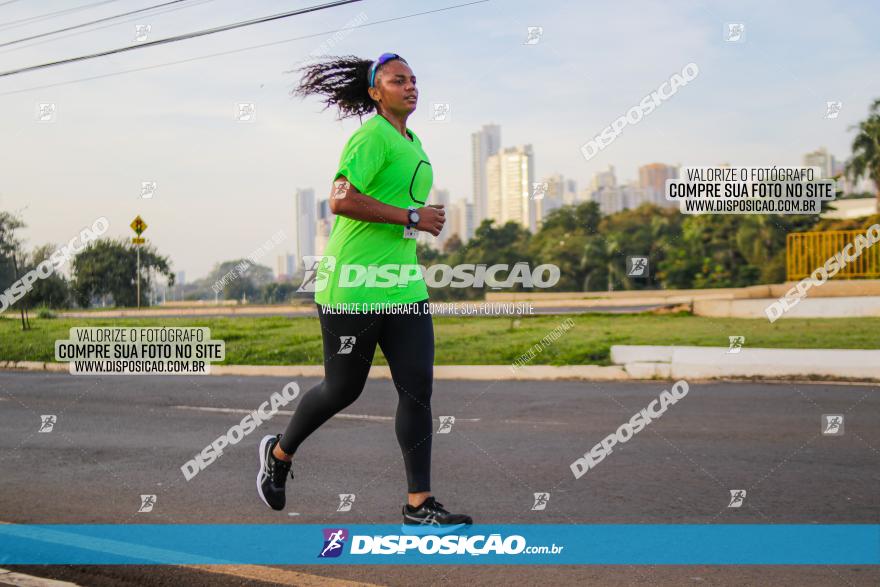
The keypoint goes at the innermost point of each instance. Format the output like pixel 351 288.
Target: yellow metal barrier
pixel 807 251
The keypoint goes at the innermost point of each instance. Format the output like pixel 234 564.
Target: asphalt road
pixel 117 437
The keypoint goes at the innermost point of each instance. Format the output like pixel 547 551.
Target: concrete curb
pixel 633 363
pixel 451 372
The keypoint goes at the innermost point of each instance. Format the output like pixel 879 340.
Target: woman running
pixel 379 194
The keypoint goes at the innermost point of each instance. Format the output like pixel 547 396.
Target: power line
pixel 9 2
pixel 48 15
pixel 85 24
pixel 239 50
pixel 201 33
pixel 157 13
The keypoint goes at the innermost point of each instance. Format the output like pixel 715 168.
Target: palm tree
pixel 603 257
pixel 866 150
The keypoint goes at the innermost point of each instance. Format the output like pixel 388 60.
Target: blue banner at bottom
pixel 517 544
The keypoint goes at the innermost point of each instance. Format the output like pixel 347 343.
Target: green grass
pixel 473 341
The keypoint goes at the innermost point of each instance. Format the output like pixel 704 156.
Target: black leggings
pixel 407 340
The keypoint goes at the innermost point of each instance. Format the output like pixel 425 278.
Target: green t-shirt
pixel 381 163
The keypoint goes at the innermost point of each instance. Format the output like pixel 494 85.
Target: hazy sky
pixel 225 187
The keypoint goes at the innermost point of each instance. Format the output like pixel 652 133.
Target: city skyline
pixel 227 183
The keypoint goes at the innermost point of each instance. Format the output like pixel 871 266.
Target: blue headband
pixel 384 58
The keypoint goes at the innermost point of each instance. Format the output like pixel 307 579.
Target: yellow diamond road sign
pixel 138 225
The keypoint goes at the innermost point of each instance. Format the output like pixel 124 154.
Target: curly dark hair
pixel 343 81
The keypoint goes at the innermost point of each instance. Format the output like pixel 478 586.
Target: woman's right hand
pixel 431 218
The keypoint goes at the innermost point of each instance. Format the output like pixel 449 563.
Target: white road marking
pixel 290 413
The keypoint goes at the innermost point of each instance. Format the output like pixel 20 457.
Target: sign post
pixel 138 226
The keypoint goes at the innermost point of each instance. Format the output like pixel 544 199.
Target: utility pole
pixel 138 226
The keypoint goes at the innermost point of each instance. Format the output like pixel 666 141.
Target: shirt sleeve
pixel 361 159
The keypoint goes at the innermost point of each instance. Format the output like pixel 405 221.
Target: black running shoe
pixel 272 475
pixel 431 513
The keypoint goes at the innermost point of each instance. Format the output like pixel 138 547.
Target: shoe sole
pixel 261 450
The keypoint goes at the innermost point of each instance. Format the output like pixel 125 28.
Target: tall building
pixel 509 178
pixel 484 143
pixel 285 267
pixel 652 179
pixel 441 197
pixel 467 220
pixel 634 195
pixel 569 196
pixel 554 195
pixel 610 200
pixel 616 199
pixel 585 195
pixel 460 220
pixel 304 218
pixel 323 226
pixel 821 159
pixel 604 179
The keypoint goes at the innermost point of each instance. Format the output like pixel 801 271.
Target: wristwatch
pixel 413 217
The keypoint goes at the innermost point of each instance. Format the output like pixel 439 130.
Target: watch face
pixel 413 217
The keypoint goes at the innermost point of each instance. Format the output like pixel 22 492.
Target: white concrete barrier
pixel 711 362
pixel 842 307
pixel 621 354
